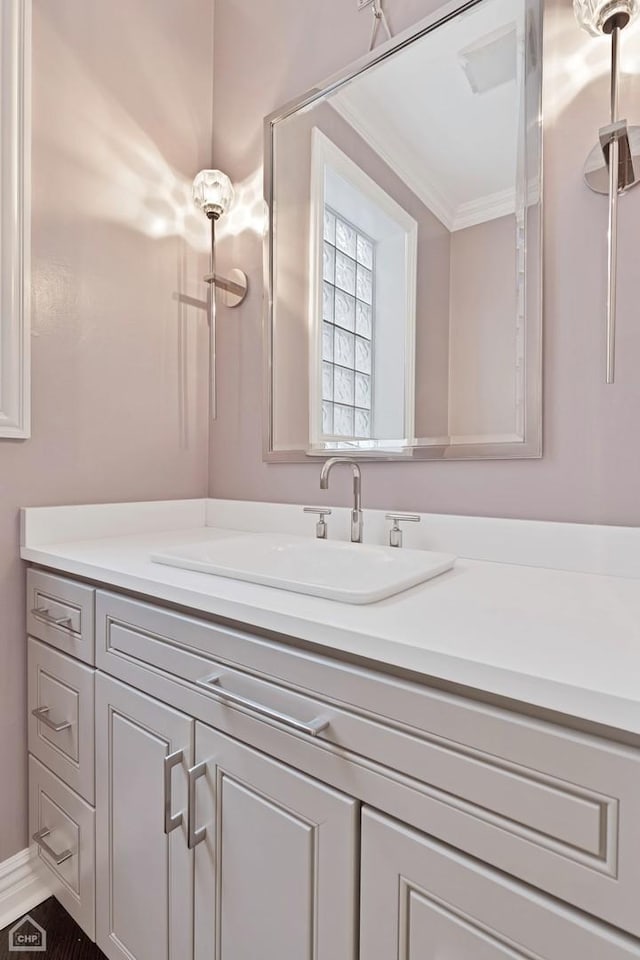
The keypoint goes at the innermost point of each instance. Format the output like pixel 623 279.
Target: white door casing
pixel 15 280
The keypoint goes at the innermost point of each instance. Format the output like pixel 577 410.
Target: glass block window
pixel 347 330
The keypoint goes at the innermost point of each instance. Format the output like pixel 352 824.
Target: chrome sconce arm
pixel 613 166
pixel 234 289
pixel 235 286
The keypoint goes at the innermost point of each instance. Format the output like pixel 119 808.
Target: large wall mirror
pixel 404 247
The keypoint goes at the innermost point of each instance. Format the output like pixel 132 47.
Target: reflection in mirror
pixel 404 248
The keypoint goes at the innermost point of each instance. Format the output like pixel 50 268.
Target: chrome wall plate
pixel 235 289
pixel 596 170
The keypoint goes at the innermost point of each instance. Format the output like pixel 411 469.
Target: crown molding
pixel 407 167
pixel 482 209
pixel 401 160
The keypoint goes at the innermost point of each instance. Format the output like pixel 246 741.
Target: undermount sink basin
pixel 352 573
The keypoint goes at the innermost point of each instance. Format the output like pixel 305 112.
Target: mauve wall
pixel 482 331
pixel 267 53
pixel 122 121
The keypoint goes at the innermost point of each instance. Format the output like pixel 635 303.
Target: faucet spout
pixel 357 522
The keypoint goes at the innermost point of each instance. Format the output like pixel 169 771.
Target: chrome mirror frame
pixel 531 445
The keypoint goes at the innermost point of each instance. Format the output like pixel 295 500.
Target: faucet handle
pixel 321 526
pixel 395 534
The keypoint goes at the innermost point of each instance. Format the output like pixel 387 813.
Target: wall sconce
pixel 613 166
pixel 213 194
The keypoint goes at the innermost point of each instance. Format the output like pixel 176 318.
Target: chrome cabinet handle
pixel 171 822
pixel 194 835
pixel 42 613
pixel 313 727
pixel 41 714
pixel 56 857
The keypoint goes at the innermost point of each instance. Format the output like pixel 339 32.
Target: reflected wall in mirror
pixel 404 249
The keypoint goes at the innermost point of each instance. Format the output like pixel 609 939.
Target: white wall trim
pixel 15 219
pixel 21 887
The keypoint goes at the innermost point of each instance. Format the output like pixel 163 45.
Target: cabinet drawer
pixel 554 807
pixel 61 612
pixel 61 691
pixel 65 850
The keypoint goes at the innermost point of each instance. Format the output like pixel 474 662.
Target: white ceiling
pixel 454 148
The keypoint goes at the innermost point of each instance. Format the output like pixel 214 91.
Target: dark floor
pixel 65 939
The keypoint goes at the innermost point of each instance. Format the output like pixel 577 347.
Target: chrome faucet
pixel 357 521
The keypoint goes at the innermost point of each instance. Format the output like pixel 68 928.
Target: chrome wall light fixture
pixel 213 194
pixel 613 166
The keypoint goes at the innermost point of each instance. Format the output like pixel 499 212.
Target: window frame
pixel 326 154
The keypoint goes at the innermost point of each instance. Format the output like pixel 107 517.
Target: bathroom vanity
pixel 212 785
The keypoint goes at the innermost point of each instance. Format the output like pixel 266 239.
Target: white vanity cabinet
pixel 422 901
pixel 61 740
pixel 275 852
pixel 257 799
pixel 144 875
pixel 275 858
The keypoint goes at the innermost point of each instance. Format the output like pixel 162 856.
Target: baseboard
pixel 21 887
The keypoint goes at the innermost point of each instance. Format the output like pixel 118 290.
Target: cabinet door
pixel 422 901
pixel 144 875
pixel 276 869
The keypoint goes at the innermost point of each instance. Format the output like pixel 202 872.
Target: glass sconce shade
pixel 600 16
pixel 213 193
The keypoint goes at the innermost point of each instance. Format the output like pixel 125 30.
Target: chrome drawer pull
pixel 195 836
pixel 41 714
pixel 313 727
pixel 56 857
pixel 42 613
pixel 170 821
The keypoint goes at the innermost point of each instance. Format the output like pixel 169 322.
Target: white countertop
pixel 556 639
